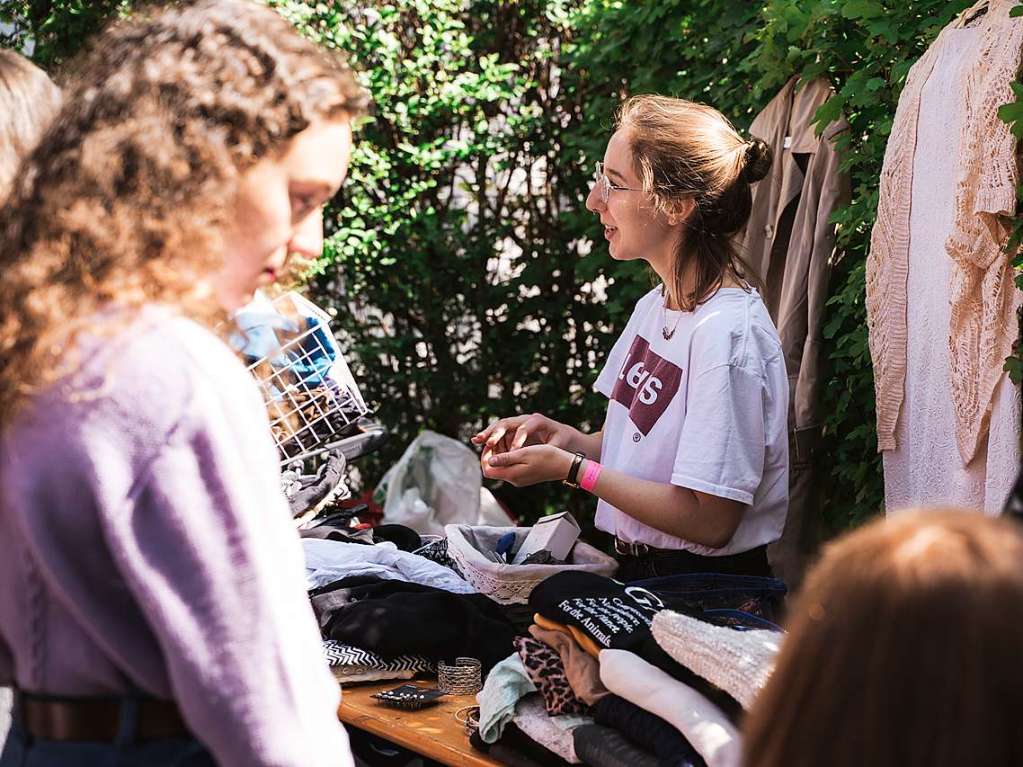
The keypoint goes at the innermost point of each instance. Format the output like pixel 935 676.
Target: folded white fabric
pixel 552 732
pixel 702 723
pixel 739 662
pixel 506 683
pixel 327 561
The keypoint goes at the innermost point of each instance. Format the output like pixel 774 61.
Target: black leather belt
pixel 95 719
pixel 625 548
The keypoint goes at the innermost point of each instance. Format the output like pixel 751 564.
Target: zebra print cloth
pixel 347 660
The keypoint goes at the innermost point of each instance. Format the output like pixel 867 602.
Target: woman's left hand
pixel 528 465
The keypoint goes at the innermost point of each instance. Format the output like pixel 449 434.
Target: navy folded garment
pixel 600 746
pixel 648 731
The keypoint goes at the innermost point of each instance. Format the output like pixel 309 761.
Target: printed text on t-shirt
pixel 605 618
pixel 646 384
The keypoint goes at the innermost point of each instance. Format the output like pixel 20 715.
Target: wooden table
pixel 431 731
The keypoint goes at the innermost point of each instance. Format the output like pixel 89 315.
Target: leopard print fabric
pixel 544 668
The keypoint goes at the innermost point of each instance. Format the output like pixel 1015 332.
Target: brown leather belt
pixel 95 719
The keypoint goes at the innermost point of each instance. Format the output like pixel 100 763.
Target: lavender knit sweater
pixel 145 544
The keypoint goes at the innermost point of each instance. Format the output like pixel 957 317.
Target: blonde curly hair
pixel 125 200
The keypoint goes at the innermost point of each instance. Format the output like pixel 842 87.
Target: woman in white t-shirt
pixel 691 467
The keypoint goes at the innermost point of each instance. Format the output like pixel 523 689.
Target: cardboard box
pixel 556 534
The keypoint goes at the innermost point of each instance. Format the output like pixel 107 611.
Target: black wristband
pixel 572 479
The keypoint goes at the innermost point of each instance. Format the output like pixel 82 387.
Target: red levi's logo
pixel 646 384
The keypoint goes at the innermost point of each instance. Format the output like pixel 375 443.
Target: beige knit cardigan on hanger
pixel 981 329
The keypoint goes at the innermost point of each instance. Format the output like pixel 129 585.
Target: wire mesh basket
pixel 311 396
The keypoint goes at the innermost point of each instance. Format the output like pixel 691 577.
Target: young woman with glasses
pixel 691 466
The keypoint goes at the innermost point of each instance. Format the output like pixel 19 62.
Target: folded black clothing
pixel 521 616
pixel 647 731
pixel 617 616
pixel 478 743
pixel 512 757
pixel 349 582
pixel 337 533
pixel 398 618
pixel 405 538
pixel 326 599
pixel 516 749
pixel 614 615
pixel 600 746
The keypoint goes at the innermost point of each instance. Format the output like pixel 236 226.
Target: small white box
pixel 556 534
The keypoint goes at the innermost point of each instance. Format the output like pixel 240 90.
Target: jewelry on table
pixel 463 678
pixel 409 697
pixel 469 718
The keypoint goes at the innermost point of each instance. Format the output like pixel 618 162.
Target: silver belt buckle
pixel 630 549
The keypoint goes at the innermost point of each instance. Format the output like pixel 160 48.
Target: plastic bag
pixel 437 481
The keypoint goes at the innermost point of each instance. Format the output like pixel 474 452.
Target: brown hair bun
pixel 756 161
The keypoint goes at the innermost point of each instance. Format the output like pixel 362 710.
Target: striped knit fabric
pixel 346 660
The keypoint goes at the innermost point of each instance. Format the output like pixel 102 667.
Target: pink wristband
pixel 590 475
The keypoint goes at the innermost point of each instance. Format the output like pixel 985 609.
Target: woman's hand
pixel 528 465
pixel 521 431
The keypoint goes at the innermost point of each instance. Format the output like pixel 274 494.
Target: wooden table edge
pixel 446 741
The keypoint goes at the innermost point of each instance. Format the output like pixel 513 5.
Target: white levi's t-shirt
pixel 706 409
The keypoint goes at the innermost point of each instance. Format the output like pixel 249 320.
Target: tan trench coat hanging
pixel 789 242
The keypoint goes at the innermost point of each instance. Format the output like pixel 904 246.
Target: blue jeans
pixel 23 750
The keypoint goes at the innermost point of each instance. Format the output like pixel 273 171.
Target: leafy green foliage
pixel 459 258
pixel 865 48
pixel 57 29
pixel 467 278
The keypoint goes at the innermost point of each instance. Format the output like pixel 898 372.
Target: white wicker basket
pixel 512 584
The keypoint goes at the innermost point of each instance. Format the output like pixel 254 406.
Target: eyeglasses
pixel 605 185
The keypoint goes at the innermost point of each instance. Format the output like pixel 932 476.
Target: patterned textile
pixel 552 732
pixel 547 671
pixel 980 331
pixel 345 661
pixel 581 668
pixel 739 662
pixel 437 551
pixel 982 327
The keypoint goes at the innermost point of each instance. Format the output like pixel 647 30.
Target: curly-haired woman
pixel 152 606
